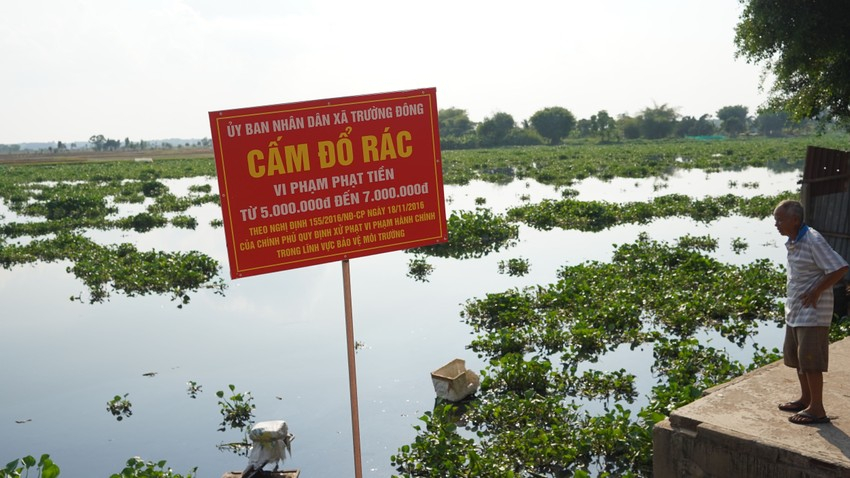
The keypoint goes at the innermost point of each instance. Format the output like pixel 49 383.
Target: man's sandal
pixel 794 406
pixel 806 418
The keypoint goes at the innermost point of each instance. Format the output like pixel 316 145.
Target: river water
pixel 282 337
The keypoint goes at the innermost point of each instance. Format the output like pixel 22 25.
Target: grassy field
pixel 82 156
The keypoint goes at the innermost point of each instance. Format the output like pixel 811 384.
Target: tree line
pixel 99 142
pixel 548 126
pixel 803 47
pixel 554 124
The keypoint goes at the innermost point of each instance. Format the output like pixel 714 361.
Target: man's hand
pixel 810 298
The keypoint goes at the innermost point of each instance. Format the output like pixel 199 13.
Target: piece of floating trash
pixel 267 474
pixel 454 382
pixel 271 441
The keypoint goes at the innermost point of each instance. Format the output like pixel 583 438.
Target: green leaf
pixel 50 471
pixel 10 467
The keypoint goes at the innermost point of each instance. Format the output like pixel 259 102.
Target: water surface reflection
pixel 282 336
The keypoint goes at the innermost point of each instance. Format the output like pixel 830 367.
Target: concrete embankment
pixel 737 430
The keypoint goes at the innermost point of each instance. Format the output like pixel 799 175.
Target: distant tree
pixel 454 122
pixel 553 123
pixel 805 46
pixel 604 125
pixel 733 119
pixel 690 126
pixel 523 137
pixel 734 126
pixel 704 126
pixel 584 127
pixel 629 126
pixel 802 126
pixel 493 131
pixel 771 123
pixel 97 142
pixel 685 126
pixel 657 122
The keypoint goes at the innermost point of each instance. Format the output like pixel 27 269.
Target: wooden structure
pixel 825 195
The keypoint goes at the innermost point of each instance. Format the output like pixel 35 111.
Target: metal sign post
pixel 352 368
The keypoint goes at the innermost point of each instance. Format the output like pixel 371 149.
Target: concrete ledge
pixel 736 429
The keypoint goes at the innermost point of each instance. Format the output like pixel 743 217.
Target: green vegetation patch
pixel 595 216
pixel 529 419
pixel 564 164
pixel 59 203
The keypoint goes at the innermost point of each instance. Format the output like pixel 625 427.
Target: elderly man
pixel 813 268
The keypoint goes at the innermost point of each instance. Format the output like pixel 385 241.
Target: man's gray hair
pixel 795 208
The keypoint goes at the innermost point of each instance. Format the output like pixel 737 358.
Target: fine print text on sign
pixel 325 180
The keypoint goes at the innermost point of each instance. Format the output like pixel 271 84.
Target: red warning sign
pixel 325 180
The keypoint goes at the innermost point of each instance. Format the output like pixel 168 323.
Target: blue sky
pixel 152 69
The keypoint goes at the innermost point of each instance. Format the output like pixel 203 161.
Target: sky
pixel 153 69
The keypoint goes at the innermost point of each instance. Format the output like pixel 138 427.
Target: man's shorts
pixel 807 348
